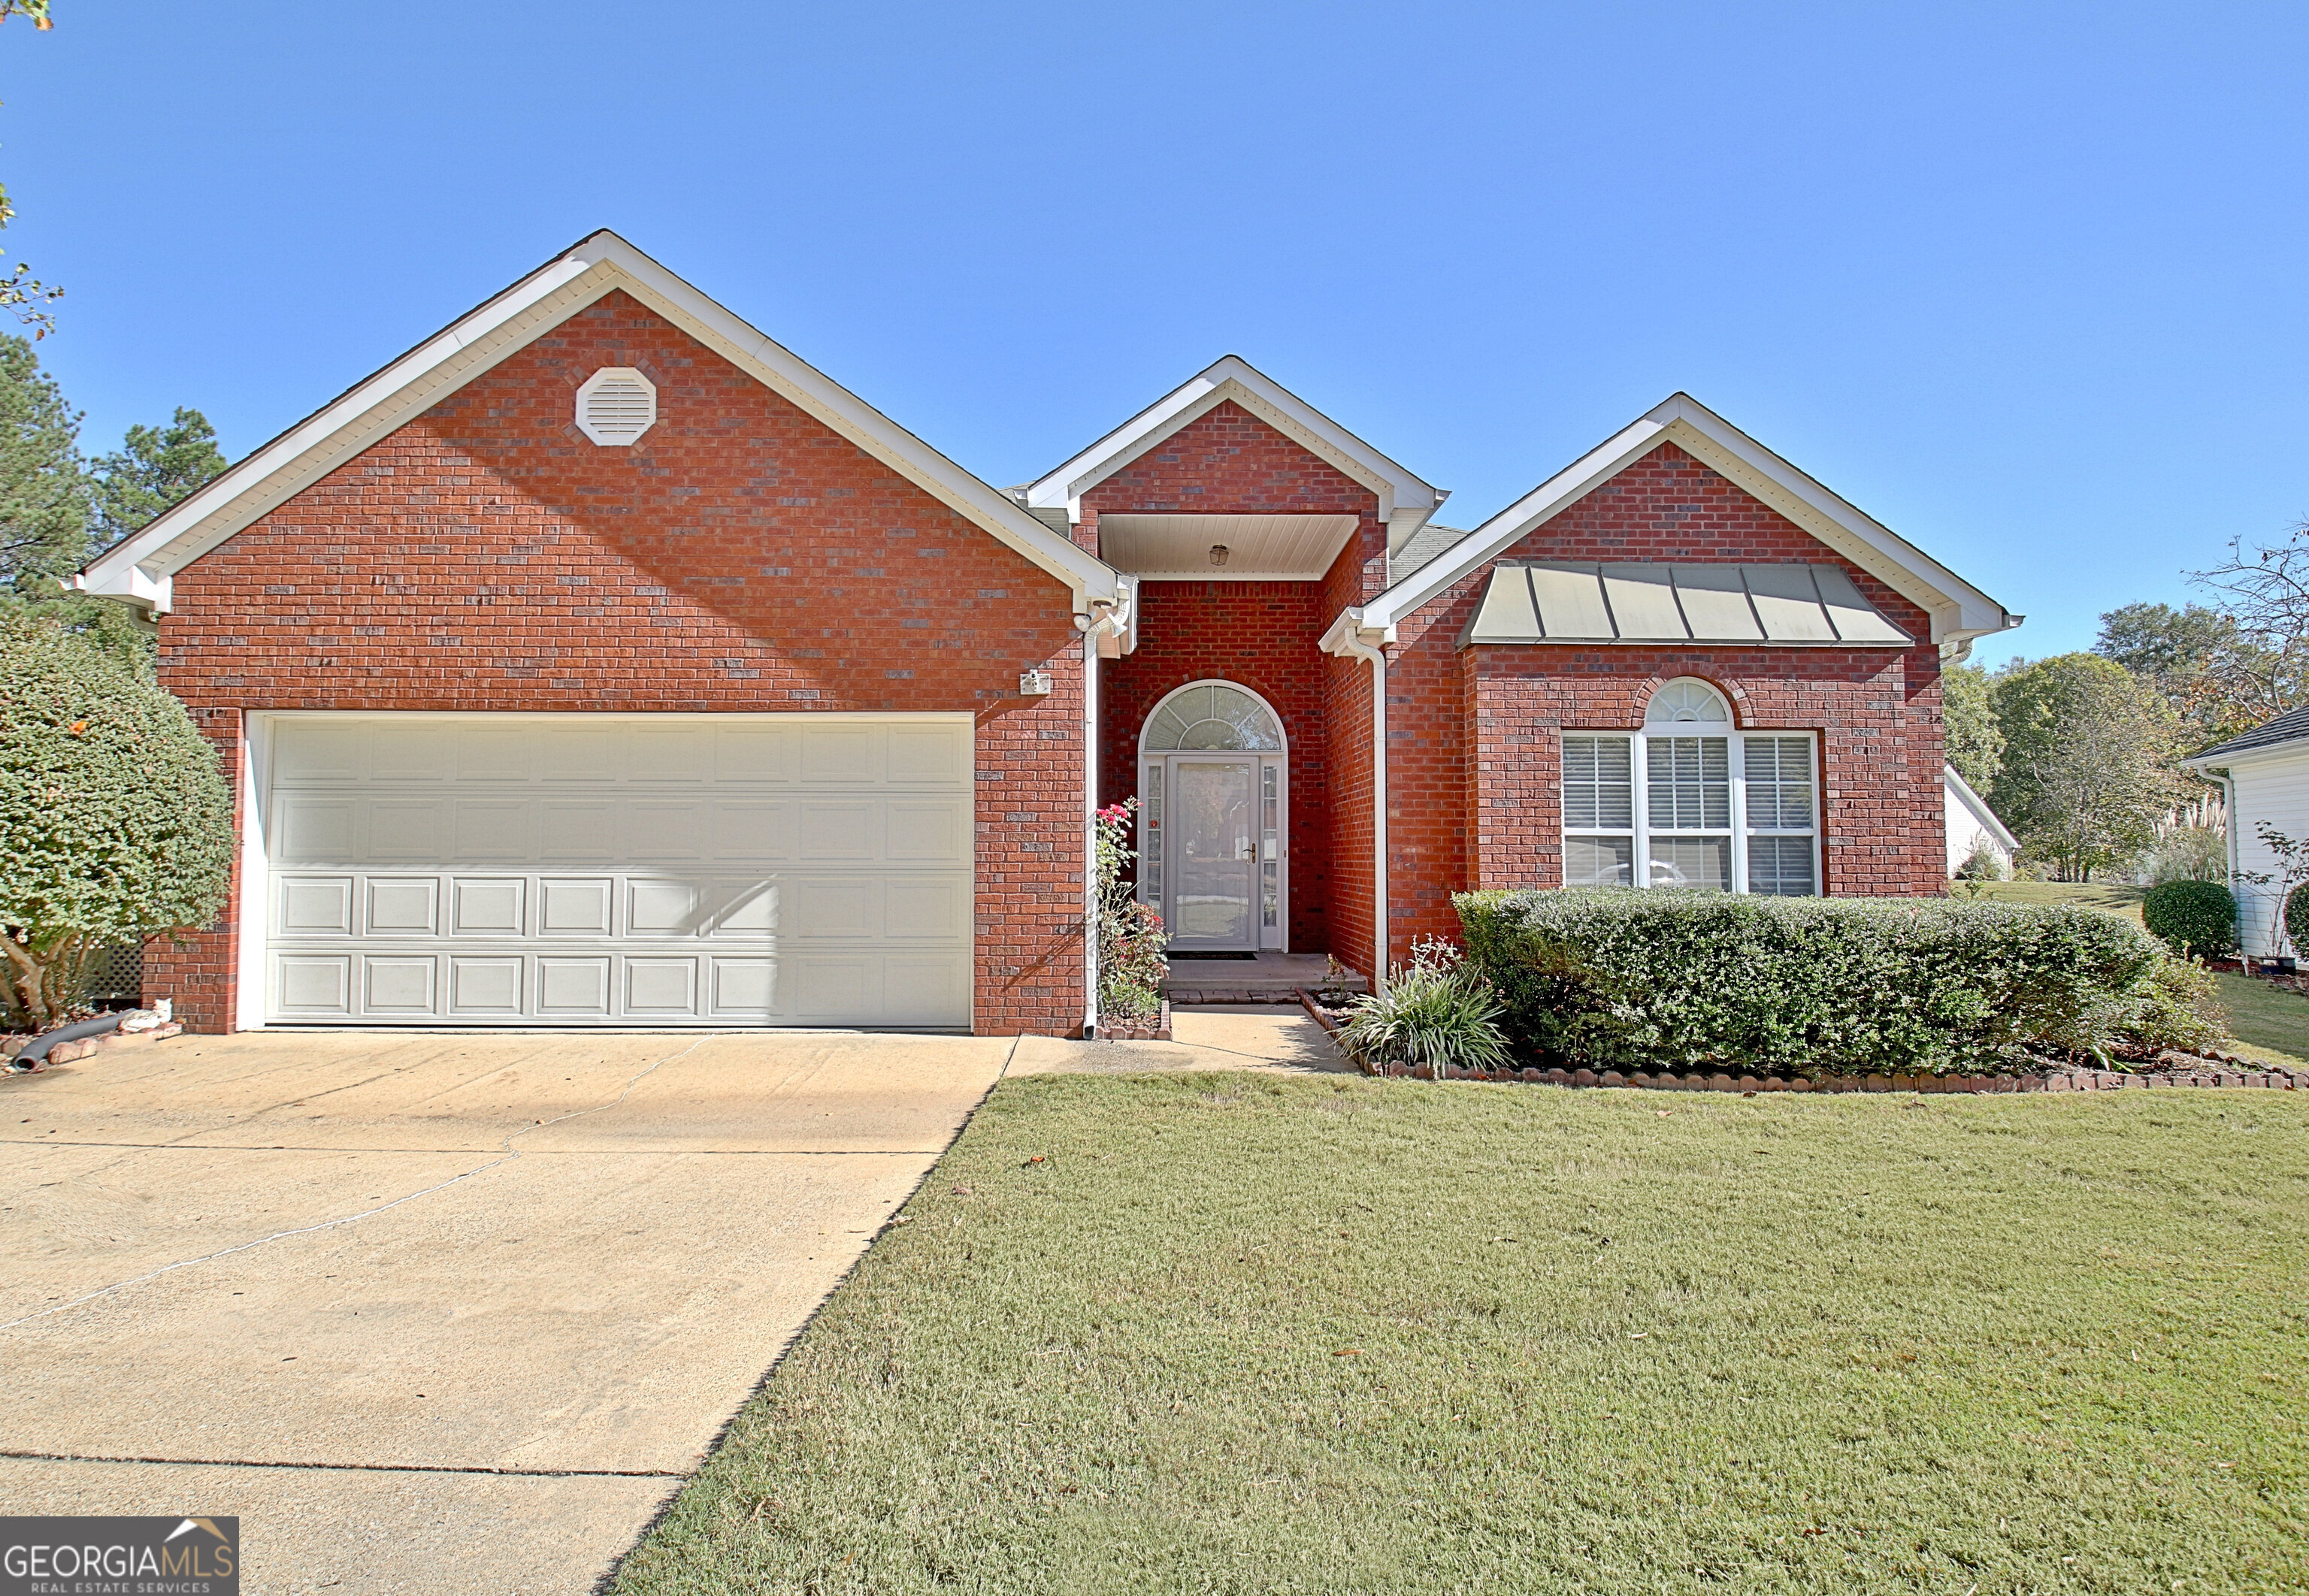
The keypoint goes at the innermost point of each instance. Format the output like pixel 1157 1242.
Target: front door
pixel 1212 829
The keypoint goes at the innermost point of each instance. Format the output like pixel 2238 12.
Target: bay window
pixel 1689 801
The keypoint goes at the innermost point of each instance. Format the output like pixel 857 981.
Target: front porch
pixel 1267 976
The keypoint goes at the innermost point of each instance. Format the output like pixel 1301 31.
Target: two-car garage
pixel 575 869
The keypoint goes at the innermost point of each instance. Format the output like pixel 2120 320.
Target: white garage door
pixel 590 870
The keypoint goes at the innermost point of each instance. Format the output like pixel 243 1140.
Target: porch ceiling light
pixel 1218 554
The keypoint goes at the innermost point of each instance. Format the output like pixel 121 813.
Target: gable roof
pixel 1977 807
pixel 1404 501
pixel 139 567
pixel 2291 726
pixel 1958 610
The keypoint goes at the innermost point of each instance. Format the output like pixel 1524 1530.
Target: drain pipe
pixel 1346 640
pixel 1106 618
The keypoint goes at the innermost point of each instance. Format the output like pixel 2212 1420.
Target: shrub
pixel 2296 916
pixel 1620 979
pixel 1985 862
pixel 2195 918
pixel 1437 1011
pixel 2178 1006
pixel 116 822
pixel 1130 935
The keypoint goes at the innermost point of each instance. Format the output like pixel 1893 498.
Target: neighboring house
pixel 2266 774
pixel 1971 822
pixel 601 662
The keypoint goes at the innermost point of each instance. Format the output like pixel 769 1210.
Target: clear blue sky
pixel 2024 281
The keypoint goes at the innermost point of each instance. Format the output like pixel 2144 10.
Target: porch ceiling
pixel 1259 547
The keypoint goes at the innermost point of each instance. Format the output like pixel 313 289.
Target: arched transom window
pixel 1690 801
pixel 1211 715
pixel 1685 702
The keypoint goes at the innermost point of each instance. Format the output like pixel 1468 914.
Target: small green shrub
pixel 2178 1006
pixel 1620 979
pixel 1983 863
pixel 115 821
pixel 2195 918
pixel 1437 1011
pixel 2296 916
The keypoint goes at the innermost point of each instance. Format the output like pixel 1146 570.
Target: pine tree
pixel 154 466
pixel 43 487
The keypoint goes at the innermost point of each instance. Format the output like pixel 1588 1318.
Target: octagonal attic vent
pixel 616 405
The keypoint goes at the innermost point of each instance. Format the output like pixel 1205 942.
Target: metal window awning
pixel 1776 606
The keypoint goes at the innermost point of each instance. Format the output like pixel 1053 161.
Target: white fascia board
pixel 1958 610
pixel 323 440
pixel 507 323
pixel 1403 497
pixel 2291 749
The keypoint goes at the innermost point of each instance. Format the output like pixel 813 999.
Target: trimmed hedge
pixel 2192 917
pixel 1618 978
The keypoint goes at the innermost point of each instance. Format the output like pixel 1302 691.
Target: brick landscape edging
pixel 2279 1080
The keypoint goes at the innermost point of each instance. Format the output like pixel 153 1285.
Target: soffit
pixel 1259 547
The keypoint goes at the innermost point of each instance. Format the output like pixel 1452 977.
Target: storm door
pixel 1213 790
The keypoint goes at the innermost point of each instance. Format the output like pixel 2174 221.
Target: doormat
pixel 1201 958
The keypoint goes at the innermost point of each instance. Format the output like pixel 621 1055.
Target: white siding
pixel 2274 789
pixel 1965 827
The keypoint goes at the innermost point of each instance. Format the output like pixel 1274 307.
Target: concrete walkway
pixel 432 1313
pixel 1272 1038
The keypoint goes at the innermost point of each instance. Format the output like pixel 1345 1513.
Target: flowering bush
pixel 1130 935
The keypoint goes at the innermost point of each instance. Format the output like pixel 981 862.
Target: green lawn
pixel 2267 1022
pixel 1220 1334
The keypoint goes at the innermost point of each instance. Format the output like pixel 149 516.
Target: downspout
pixel 1348 634
pixel 1104 618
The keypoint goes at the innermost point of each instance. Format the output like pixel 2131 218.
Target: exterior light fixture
pixel 1034 684
pixel 1218 554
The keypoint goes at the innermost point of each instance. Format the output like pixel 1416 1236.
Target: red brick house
pixel 599 662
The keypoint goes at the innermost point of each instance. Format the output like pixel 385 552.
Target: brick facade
pixel 741 557
pixel 1229 462
pixel 1473 791
pixel 1260 635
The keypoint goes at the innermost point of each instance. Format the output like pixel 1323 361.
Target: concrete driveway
pixel 432 1313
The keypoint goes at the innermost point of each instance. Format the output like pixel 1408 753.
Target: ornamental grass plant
pixel 1438 1012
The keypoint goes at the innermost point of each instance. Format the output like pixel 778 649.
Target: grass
pixel 1223 1333
pixel 2268 1021
pixel 2117 898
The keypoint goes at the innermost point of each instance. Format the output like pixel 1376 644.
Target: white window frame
pixel 1639 832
